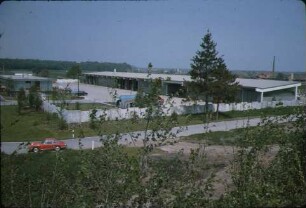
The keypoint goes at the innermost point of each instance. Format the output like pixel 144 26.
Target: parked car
pixel 47 144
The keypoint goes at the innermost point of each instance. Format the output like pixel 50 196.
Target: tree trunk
pixel 206 108
pixel 217 113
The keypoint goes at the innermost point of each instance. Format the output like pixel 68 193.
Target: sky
pixel 166 33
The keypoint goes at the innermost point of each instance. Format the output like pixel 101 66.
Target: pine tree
pixel 209 73
pixel 224 87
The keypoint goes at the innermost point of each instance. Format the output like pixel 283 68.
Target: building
pixel 135 81
pixel 268 90
pixel 252 90
pixel 26 81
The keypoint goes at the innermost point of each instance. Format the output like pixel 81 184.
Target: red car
pixel 47 144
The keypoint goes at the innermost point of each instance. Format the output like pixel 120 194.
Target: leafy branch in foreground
pixel 261 179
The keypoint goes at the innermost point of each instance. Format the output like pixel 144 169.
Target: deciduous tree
pixel 74 72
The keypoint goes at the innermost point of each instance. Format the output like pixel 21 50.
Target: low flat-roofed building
pixel 252 90
pixel 268 90
pixel 26 81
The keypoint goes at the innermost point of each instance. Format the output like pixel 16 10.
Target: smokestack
pixel 273 66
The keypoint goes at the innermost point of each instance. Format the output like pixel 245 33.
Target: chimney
pixel 115 70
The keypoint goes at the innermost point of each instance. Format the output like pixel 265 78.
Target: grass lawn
pixel 31 125
pixel 215 138
pixel 87 106
pixel 199 118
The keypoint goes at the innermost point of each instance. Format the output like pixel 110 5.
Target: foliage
pixel 158 127
pixel 41 72
pixel 224 87
pixel 112 176
pixel 49 123
pixel 279 181
pixel 40 66
pixel 93 119
pixel 74 72
pixel 87 106
pixel 34 98
pixel 77 106
pixel 61 95
pixel 21 100
pixel 281 76
pixel 150 66
pixel 209 74
pixel 227 138
pixel 18 127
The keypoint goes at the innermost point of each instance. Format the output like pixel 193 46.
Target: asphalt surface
pixel 136 138
pixel 97 94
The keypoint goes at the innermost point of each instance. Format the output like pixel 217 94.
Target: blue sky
pixel 167 33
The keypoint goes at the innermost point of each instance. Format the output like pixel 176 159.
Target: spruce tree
pixel 207 70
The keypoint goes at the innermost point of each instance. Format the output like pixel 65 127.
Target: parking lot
pixel 97 94
pixel 101 94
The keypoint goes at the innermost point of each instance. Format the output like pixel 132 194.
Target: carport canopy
pixel 262 85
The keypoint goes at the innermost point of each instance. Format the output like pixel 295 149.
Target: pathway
pixel 126 138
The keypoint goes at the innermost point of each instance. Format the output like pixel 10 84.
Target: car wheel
pixel 35 150
pixel 57 149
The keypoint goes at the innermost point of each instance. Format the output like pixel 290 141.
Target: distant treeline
pixel 33 64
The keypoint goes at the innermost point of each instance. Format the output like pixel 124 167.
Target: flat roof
pixel 25 77
pixel 172 77
pixel 264 83
pixel 258 84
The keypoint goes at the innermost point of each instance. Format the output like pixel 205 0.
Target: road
pixel 135 138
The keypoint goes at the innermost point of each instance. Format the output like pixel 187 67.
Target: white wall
pixel 77 116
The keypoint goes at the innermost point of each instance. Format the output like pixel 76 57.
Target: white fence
pixel 8 102
pixel 77 116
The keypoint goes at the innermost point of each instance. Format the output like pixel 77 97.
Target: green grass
pixel 57 73
pixel 269 134
pixel 87 106
pixel 64 97
pixel 215 138
pixel 199 118
pixel 31 125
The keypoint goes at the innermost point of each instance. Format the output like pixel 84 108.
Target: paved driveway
pixel 99 93
pixel 126 139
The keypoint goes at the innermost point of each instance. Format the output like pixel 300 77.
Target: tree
pixel 21 99
pixel 74 72
pixel 41 72
pixel 34 98
pixel 150 66
pixel 280 76
pixel 224 88
pixel 205 71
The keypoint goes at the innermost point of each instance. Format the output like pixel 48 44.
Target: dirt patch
pixel 214 153
pixel 220 157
